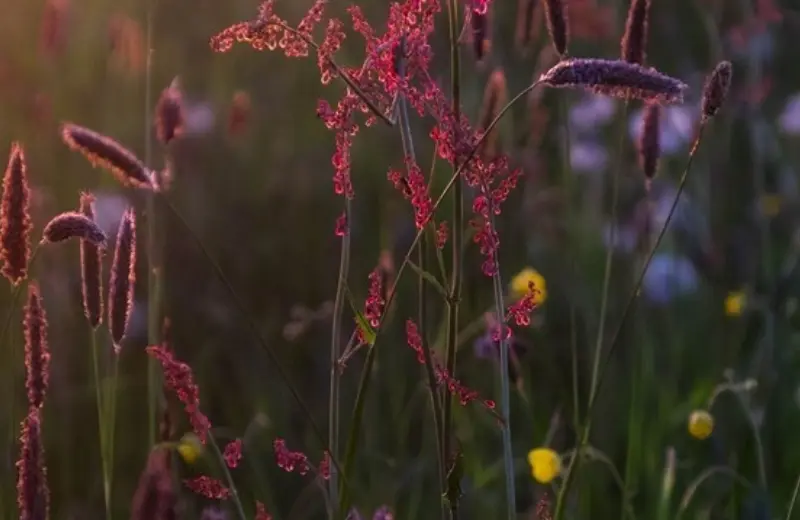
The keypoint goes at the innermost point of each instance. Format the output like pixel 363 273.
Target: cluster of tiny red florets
pixel 233 453
pixel 415 189
pixel 373 308
pixel 208 487
pixel 291 461
pixel 520 311
pixel 178 378
pixel 443 377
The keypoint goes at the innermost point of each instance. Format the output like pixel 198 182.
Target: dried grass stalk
pixel 91 267
pixel 495 97
pixel 649 145
pixel 528 18
pixel 123 279
pixel 716 89
pixel 37 352
pixel 615 78
pixel 33 494
pixel 480 34
pixel 169 113
pixel 107 153
pixel 72 224
pixel 557 24
pixel 634 41
pixel 15 220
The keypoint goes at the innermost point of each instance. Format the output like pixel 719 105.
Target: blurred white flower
pixel 677 125
pixel 668 276
pixel 588 156
pixel 592 111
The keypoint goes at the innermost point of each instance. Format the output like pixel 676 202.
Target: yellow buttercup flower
pixel 519 285
pixel 545 464
pixel 190 448
pixel 701 424
pixel 734 303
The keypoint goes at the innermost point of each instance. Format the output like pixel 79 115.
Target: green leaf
pixel 429 278
pixel 367 331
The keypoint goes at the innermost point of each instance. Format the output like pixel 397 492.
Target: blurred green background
pixel 253 178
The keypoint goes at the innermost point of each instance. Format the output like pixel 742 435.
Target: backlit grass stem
pixel 336 347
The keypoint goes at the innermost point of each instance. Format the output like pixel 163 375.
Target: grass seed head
pixel 123 279
pixel 15 219
pixel 716 89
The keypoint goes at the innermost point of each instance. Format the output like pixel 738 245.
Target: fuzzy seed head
pixel 103 151
pixel 123 279
pixel 480 34
pixel 495 97
pixel 557 24
pixel 37 352
pixel 169 114
pixel 716 89
pixel 615 78
pixel 15 220
pixel 72 224
pixel 91 267
pixel 649 146
pixel 634 41
pixel 33 494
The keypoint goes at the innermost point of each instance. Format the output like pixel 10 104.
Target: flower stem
pixel 237 502
pixel 335 376
pixel 154 296
pixel 101 423
pixel 457 239
pixel 505 392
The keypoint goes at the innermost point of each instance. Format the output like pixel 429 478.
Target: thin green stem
pixel 584 438
pixel 568 186
pixel 794 499
pixel 436 406
pixel 505 393
pixel 111 418
pixel 457 239
pixel 101 417
pixel 154 296
pixel 335 374
pixel 237 502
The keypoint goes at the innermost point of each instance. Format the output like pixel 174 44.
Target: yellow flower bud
pixel 735 303
pixel 545 464
pixel 701 424
pixel 519 285
pixel 190 448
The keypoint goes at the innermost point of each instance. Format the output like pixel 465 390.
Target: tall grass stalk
pixel 458 237
pixel 102 423
pixel 584 437
pixel 154 287
pixel 567 182
pixel 237 502
pixel 336 347
pixel 422 318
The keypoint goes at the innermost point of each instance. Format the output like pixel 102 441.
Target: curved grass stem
pixel 584 437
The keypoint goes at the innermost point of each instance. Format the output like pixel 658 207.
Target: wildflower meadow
pixel 410 259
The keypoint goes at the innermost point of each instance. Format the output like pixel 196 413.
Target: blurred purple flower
pixel 669 276
pixel 383 513
pixel 588 156
pixel 199 118
pixel 591 112
pixel 789 120
pixel 625 236
pixel 677 125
